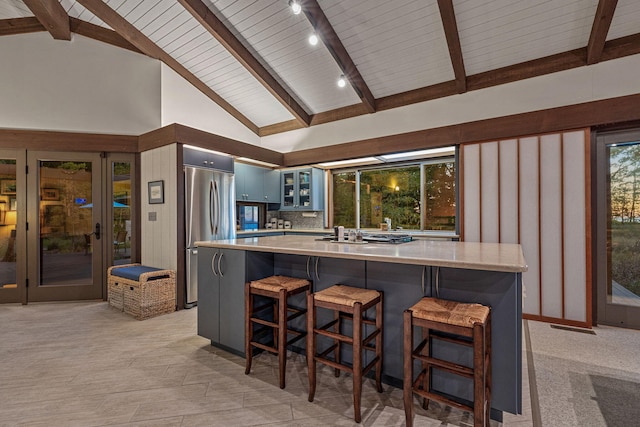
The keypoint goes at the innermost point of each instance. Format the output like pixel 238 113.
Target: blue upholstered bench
pixel 141 291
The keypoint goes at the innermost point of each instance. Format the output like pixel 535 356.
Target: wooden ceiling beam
pixel 448 17
pixel 102 34
pixel 327 34
pixel 142 42
pixel 211 23
pixel 600 29
pixel 9 27
pixel 52 16
pixel 576 116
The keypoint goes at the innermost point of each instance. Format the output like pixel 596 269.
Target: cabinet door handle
pixel 424 267
pixel 219 266
pixel 308 273
pixel 317 262
pixel 213 264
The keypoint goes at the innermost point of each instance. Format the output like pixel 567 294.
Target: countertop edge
pixel 249 244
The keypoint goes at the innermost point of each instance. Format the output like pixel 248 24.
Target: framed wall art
pixel 156 192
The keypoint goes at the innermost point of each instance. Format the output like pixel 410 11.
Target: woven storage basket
pixel 148 296
pixel 115 288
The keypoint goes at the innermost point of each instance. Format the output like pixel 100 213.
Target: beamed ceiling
pixel 252 57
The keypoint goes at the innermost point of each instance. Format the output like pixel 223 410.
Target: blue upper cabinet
pixel 302 189
pixel 256 184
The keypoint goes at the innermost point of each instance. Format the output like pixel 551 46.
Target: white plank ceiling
pixel 397 46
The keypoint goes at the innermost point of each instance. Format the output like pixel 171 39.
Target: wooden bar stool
pixel 471 325
pixel 346 302
pixel 279 288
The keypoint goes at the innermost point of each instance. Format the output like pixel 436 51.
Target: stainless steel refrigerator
pixel 210 207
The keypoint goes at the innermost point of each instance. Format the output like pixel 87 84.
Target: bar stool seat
pixel 350 303
pixel 462 323
pixel 278 288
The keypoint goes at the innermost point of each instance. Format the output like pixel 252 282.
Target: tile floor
pixel 86 364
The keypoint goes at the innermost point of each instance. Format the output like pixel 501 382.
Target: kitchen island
pixel 485 273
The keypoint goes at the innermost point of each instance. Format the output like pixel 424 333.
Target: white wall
pixel 159 237
pixel 601 81
pixel 183 103
pixel 80 86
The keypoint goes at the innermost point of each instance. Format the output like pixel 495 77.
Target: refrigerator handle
pixel 211 207
pixel 216 193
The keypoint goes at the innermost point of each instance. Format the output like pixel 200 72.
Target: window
pixel 414 196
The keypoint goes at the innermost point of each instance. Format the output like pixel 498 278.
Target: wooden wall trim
pixel 588 228
pixel 176 133
pixel 157 138
pixel 67 141
pixel 576 116
pixel 556 320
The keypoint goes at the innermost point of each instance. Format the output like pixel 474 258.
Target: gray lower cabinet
pixel 208 295
pixel 402 286
pixel 221 277
pixel 324 272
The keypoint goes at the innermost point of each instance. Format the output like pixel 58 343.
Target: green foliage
pixel 625 255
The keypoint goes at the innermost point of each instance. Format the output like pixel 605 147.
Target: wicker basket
pixel 147 297
pixel 115 288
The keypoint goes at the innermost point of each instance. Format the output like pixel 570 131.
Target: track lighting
pixel 342 82
pixel 295 6
pixel 313 39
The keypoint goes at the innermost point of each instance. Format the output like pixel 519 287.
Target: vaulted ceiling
pixel 252 57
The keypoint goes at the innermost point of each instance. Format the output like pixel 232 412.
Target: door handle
pixel 317 262
pixel 213 264
pixel 97 232
pixel 308 273
pixel 219 266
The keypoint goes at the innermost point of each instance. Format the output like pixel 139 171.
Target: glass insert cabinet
pixel 302 189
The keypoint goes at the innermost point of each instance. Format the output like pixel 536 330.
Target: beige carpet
pixel 586 380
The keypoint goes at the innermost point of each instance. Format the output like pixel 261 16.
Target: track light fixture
pixel 342 81
pixel 295 6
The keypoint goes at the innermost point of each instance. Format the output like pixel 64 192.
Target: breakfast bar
pixel 485 273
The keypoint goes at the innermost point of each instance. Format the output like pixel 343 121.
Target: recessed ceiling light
pixel 342 82
pixel 295 6
pixel 313 39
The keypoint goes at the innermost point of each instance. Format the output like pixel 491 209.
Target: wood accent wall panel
pixel 529 220
pixel 534 191
pixel 551 276
pixel 489 193
pixel 575 188
pixel 471 194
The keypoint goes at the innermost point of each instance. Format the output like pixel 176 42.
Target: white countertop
pixel 469 255
pixel 429 234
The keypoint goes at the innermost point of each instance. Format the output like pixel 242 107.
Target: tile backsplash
pixel 297 220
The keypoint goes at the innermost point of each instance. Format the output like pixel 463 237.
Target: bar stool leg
pixel 282 335
pixel 357 361
pixel 408 368
pixel 311 345
pixel 426 334
pixel 379 341
pixel 336 317
pixel 487 359
pixel 248 327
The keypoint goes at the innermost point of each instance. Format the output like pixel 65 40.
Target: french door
pixel 12 225
pixel 618 228
pixel 66 234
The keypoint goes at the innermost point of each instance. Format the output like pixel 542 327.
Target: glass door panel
pixel 618 230
pixel 121 212
pixel 9 291
pixel 68 232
